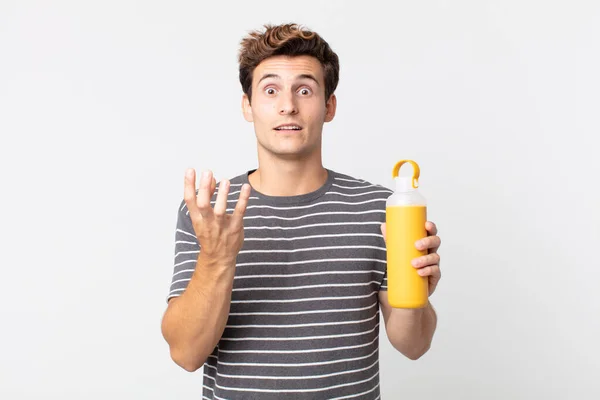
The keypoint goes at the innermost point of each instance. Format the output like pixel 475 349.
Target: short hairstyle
pixel 289 40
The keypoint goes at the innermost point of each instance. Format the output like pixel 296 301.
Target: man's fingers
pixel 434 243
pixel 383 231
pixel 189 191
pixel 427 271
pixel 423 261
pixel 221 202
pixel 205 194
pixel 430 242
pixel 242 203
pixel 432 271
pixel 431 228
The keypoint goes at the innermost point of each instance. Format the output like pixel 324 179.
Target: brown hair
pixel 288 40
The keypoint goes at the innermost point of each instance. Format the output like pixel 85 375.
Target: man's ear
pixel 331 107
pixel 247 108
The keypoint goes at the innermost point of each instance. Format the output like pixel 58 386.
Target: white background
pixel 104 104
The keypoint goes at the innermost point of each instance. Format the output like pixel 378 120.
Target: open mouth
pixel 288 128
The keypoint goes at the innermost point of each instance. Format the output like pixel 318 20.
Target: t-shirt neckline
pixel 287 200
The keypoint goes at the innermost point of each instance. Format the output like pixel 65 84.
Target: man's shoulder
pixel 354 182
pixel 362 199
pixel 358 193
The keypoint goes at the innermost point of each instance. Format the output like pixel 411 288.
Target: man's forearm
pixel 411 331
pixel 194 322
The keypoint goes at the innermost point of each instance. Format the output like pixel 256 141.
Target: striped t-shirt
pixel 304 317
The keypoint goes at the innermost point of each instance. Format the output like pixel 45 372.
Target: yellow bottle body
pixel 405 225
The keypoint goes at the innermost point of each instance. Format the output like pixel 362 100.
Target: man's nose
pixel 288 105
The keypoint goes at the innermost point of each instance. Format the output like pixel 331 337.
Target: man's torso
pixel 304 320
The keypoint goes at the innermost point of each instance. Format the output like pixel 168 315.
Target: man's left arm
pixel 411 331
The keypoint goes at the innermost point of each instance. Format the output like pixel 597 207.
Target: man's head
pixel 286 40
pixel 288 75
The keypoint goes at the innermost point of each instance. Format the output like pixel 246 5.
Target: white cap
pixel 404 184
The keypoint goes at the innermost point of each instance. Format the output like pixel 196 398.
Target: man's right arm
pixel 194 322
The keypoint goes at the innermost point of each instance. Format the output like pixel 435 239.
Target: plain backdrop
pixel 104 104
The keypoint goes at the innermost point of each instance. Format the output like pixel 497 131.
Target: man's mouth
pixel 290 127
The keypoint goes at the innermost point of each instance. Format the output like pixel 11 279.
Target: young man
pixel 280 272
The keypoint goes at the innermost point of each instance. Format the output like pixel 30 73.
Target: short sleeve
pixel 187 249
pixel 384 283
pixel 383 257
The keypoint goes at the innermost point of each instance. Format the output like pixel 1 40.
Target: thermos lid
pixel 404 183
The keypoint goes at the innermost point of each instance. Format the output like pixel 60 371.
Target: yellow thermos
pixel 406 214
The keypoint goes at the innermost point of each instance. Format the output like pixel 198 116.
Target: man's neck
pixel 276 177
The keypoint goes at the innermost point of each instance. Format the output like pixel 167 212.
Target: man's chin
pixel 296 153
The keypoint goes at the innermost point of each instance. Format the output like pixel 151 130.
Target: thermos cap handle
pixel 416 171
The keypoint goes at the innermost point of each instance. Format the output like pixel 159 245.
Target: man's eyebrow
pixel 301 76
pixel 309 76
pixel 266 76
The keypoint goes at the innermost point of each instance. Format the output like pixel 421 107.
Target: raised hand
pixel 221 235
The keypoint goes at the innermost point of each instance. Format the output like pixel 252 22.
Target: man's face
pixel 288 105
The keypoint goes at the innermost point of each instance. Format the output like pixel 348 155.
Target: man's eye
pixel 270 91
pixel 305 91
